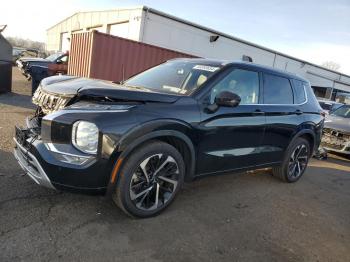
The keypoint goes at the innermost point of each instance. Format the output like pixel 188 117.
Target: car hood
pixel 338 123
pixel 92 88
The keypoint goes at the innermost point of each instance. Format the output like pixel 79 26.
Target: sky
pixel 312 30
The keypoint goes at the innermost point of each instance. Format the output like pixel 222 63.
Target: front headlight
pixel 85 136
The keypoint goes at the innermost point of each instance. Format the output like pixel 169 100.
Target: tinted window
pixel 241 82
pixel 299 92
pixel 277 90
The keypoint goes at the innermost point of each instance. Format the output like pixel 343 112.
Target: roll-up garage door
pixel 121 29
pixel 65 42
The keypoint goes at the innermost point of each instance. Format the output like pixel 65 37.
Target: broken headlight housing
pixel 100 107
pixel 85 136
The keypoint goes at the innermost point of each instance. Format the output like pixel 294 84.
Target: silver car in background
pixel 329 106
pixel 336 131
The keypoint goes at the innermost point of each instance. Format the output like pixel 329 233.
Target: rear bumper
pixel 31 166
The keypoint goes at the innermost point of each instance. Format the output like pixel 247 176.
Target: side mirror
pixel 227 99
pixel 59 61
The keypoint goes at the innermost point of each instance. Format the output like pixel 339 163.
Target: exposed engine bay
pixel 59 92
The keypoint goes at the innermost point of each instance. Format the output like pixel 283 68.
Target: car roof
pixel 266 69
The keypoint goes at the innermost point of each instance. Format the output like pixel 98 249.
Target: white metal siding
pixel 174 35
pixel 169 33
pixel 341 86
pixel 100 21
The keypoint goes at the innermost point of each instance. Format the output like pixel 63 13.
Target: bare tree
pixel 331 65
pixel 26 43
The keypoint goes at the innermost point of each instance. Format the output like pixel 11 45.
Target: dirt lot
pixel 239 217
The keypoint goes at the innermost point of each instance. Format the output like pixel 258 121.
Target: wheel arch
pixel 307 134
pixel 172 132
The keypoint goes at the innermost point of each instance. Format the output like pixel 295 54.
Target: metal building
pixel 153 27
pixel 5 63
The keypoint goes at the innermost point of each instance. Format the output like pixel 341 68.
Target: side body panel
pixel 230 139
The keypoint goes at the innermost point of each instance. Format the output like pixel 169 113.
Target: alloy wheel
pixel 298 161
pixel 154 182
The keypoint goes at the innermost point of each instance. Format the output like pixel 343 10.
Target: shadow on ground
pixel 334 161
pixel 16 100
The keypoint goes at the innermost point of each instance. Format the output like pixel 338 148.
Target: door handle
pixel 258 112
pixel 298 112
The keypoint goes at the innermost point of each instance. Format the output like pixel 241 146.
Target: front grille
pixel 332 146
pixel 334 139
pixel 50 102
pixel 336 133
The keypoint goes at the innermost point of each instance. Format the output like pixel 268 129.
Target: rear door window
pixel 277 90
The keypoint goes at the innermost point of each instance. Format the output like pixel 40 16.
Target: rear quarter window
pixel 299 92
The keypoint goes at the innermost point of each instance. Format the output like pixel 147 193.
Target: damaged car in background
pixel 336 132
pixel 36 69
pixel 18 52
pixel 139 140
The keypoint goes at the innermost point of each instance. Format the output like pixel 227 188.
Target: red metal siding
pixel 80 54
pixel 102 56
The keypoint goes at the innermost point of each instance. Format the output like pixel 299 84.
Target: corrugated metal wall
pixel 5 65
pixel 102 56
pixel 80 54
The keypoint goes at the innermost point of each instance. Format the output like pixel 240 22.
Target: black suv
pixel 141 139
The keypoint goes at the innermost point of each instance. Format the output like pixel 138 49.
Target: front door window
pixel 241 82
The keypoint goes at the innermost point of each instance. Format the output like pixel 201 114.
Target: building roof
pixel 97 11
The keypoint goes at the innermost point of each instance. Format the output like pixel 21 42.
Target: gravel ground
pixel 241 217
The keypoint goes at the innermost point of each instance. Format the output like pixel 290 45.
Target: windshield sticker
pixel 180 71
pixel 206 68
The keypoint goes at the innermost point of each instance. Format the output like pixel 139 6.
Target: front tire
pixel 295 161
pixel 149 179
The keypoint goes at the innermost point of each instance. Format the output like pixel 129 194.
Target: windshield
pixel 173 77
pixel 53 57
pixel 343 111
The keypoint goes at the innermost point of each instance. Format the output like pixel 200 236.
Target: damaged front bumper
pixel 23 70
pixel 51 166
pixel 31 166
pixel 336 141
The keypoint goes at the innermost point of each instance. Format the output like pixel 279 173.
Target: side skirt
pixel 236 170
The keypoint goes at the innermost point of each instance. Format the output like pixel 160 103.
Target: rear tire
pixel 149 179
pixel 295 161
